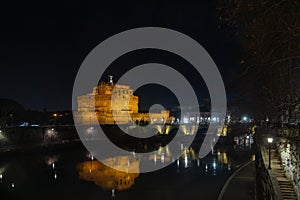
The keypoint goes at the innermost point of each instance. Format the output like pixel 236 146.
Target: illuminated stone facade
pixel 96 107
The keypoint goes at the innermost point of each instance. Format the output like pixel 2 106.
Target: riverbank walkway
pixel 241 184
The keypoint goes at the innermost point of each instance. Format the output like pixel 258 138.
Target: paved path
pixel 285 184
pixel 241 184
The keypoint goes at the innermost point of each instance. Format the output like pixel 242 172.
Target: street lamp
pixel 270 140
pixel 12 119
pixel 55 117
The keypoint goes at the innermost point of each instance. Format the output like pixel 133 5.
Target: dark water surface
pixel 74 174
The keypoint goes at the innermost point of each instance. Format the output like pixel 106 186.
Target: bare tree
pixel 269 31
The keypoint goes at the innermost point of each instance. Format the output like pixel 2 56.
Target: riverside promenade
pixel 241 184
pixel 250 182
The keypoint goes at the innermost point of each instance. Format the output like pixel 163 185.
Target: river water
pixel 73 173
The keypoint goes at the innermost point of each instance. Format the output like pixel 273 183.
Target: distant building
pixel 124 110
pixel 198 114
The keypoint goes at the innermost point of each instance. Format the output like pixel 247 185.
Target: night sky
pixel 43 44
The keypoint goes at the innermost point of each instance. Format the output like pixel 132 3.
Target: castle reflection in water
pixel 108 178
pixel 118 178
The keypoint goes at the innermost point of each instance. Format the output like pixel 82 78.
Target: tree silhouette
pixel 269 32
pixel 7 110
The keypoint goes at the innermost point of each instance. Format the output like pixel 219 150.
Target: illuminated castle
pixel 96 107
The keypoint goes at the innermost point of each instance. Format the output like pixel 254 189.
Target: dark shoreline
pixel 25 140
pixel 40 148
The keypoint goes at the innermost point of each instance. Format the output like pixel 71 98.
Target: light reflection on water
pixel 108 178
pixel 76 174
pixel 112 179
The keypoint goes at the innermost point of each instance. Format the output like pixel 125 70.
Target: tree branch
pixel 271 63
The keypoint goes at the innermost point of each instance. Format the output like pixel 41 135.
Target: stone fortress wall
pixel 96 107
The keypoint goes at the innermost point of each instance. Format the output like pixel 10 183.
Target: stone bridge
pixel 188 129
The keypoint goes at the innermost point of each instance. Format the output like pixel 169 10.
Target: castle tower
pixel 95 107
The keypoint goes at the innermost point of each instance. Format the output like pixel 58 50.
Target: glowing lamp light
pixel 214 165
pixel 113 192
pixel 270 140
pixel 185 120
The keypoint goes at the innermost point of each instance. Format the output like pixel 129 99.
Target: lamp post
pixel 270 140
pixel 12 119
pixel 55 118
